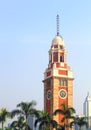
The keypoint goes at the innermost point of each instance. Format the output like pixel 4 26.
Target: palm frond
pixel 58 111
pixel 16 112
pixel 54 123
pixel 13 124
pixel 43 124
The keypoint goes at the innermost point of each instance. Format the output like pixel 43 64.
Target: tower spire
pixel 57 25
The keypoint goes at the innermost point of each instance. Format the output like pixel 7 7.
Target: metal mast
pixel 57 25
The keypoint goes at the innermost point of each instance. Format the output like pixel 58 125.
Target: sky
pixel 27 28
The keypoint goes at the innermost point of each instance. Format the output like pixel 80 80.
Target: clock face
pixel 63 93
pixel 49 94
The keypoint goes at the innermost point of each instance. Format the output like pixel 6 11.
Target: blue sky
pixel 26 31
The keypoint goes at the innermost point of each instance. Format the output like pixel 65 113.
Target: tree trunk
pixel 2 125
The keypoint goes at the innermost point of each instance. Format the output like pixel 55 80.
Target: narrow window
pixel 63 82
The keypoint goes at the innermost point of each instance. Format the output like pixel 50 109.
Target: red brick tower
pixel 58 78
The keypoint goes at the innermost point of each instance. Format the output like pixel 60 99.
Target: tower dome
pixel 58 40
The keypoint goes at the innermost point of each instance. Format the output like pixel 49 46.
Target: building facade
pixel 58 78
pixel 87 109
pixel 31 122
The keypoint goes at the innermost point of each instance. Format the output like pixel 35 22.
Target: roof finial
pixel 57 25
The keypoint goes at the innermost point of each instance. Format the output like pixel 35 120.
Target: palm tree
pixel 26 109
pixel 66 114
pixel 45 121
pixel 20 124
pixel 4 114
pixel 80 121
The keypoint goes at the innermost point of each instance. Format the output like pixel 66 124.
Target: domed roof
pixel 58 40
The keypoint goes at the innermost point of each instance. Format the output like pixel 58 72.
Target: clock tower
pixel 58 77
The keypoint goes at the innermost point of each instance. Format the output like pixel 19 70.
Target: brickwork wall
pixel 70 93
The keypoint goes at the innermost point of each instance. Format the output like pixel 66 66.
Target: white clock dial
pixel 49 94
pixel 63 93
